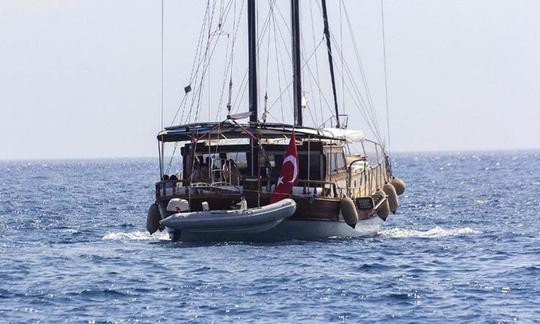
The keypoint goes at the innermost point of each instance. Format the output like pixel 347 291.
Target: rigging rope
pixel 343 107
pixel 364 80
pixel 229 58
pixel 162 60
pixel 194 67
pixel 385 78
pixel 304 100
pixel 278 65
pixel 216 13
pixel 371 117
pixel 316 60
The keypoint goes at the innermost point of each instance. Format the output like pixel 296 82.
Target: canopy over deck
pixel 233 130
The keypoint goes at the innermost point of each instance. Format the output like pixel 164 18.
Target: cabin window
pixel 240 158
pixel 314 165
pixel 211 159
pixel 337 162
pixel 315 162
pixel 340 161
pixel 278 161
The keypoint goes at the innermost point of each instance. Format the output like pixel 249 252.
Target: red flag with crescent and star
pixel 288 175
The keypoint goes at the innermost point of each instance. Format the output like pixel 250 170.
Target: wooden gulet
pixel 228 164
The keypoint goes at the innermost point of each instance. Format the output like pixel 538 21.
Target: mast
pixel 297 81
pixel 330 60
pixel 252 46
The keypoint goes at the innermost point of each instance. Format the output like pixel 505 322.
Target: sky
pixel 82 79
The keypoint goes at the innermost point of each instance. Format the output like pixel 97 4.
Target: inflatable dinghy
pixel 250 220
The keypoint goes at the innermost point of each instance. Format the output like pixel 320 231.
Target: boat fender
pixel 153 218
pixel 177 205
pixel 349 212
pixel 384 209
pixel 399 185
pixel 393 200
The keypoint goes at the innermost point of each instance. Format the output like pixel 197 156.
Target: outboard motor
pixel 177 205
pixel 205 206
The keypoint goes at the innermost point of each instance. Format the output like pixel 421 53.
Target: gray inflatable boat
pixel 251 220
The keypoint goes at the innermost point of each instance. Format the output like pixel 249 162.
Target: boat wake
pixel 136 236
pixel 437 232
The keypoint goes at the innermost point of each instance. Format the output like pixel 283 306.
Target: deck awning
pixel 232 130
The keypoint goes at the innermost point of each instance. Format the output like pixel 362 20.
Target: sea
pixel 464 247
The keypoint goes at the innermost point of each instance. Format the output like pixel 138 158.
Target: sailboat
pixel 230 183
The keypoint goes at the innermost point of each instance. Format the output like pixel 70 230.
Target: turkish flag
pixel 288 175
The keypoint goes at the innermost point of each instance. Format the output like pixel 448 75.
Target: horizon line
pixel 135 157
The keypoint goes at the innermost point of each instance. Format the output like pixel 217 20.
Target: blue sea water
pixel 464 247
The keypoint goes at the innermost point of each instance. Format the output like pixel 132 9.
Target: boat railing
pixel 328 188
pixel 319 188
pixel 343 119
pixel 170 188
pixel 315 188
pixel 367 181
pixel 167 188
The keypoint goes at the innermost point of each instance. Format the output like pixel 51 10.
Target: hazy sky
pixel 81 79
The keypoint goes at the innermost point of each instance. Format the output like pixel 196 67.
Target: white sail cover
pixel 351 135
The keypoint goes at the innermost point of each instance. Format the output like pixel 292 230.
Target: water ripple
pixel 436 232
pixel 463 247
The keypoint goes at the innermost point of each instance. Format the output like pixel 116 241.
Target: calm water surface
pixel 464 247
